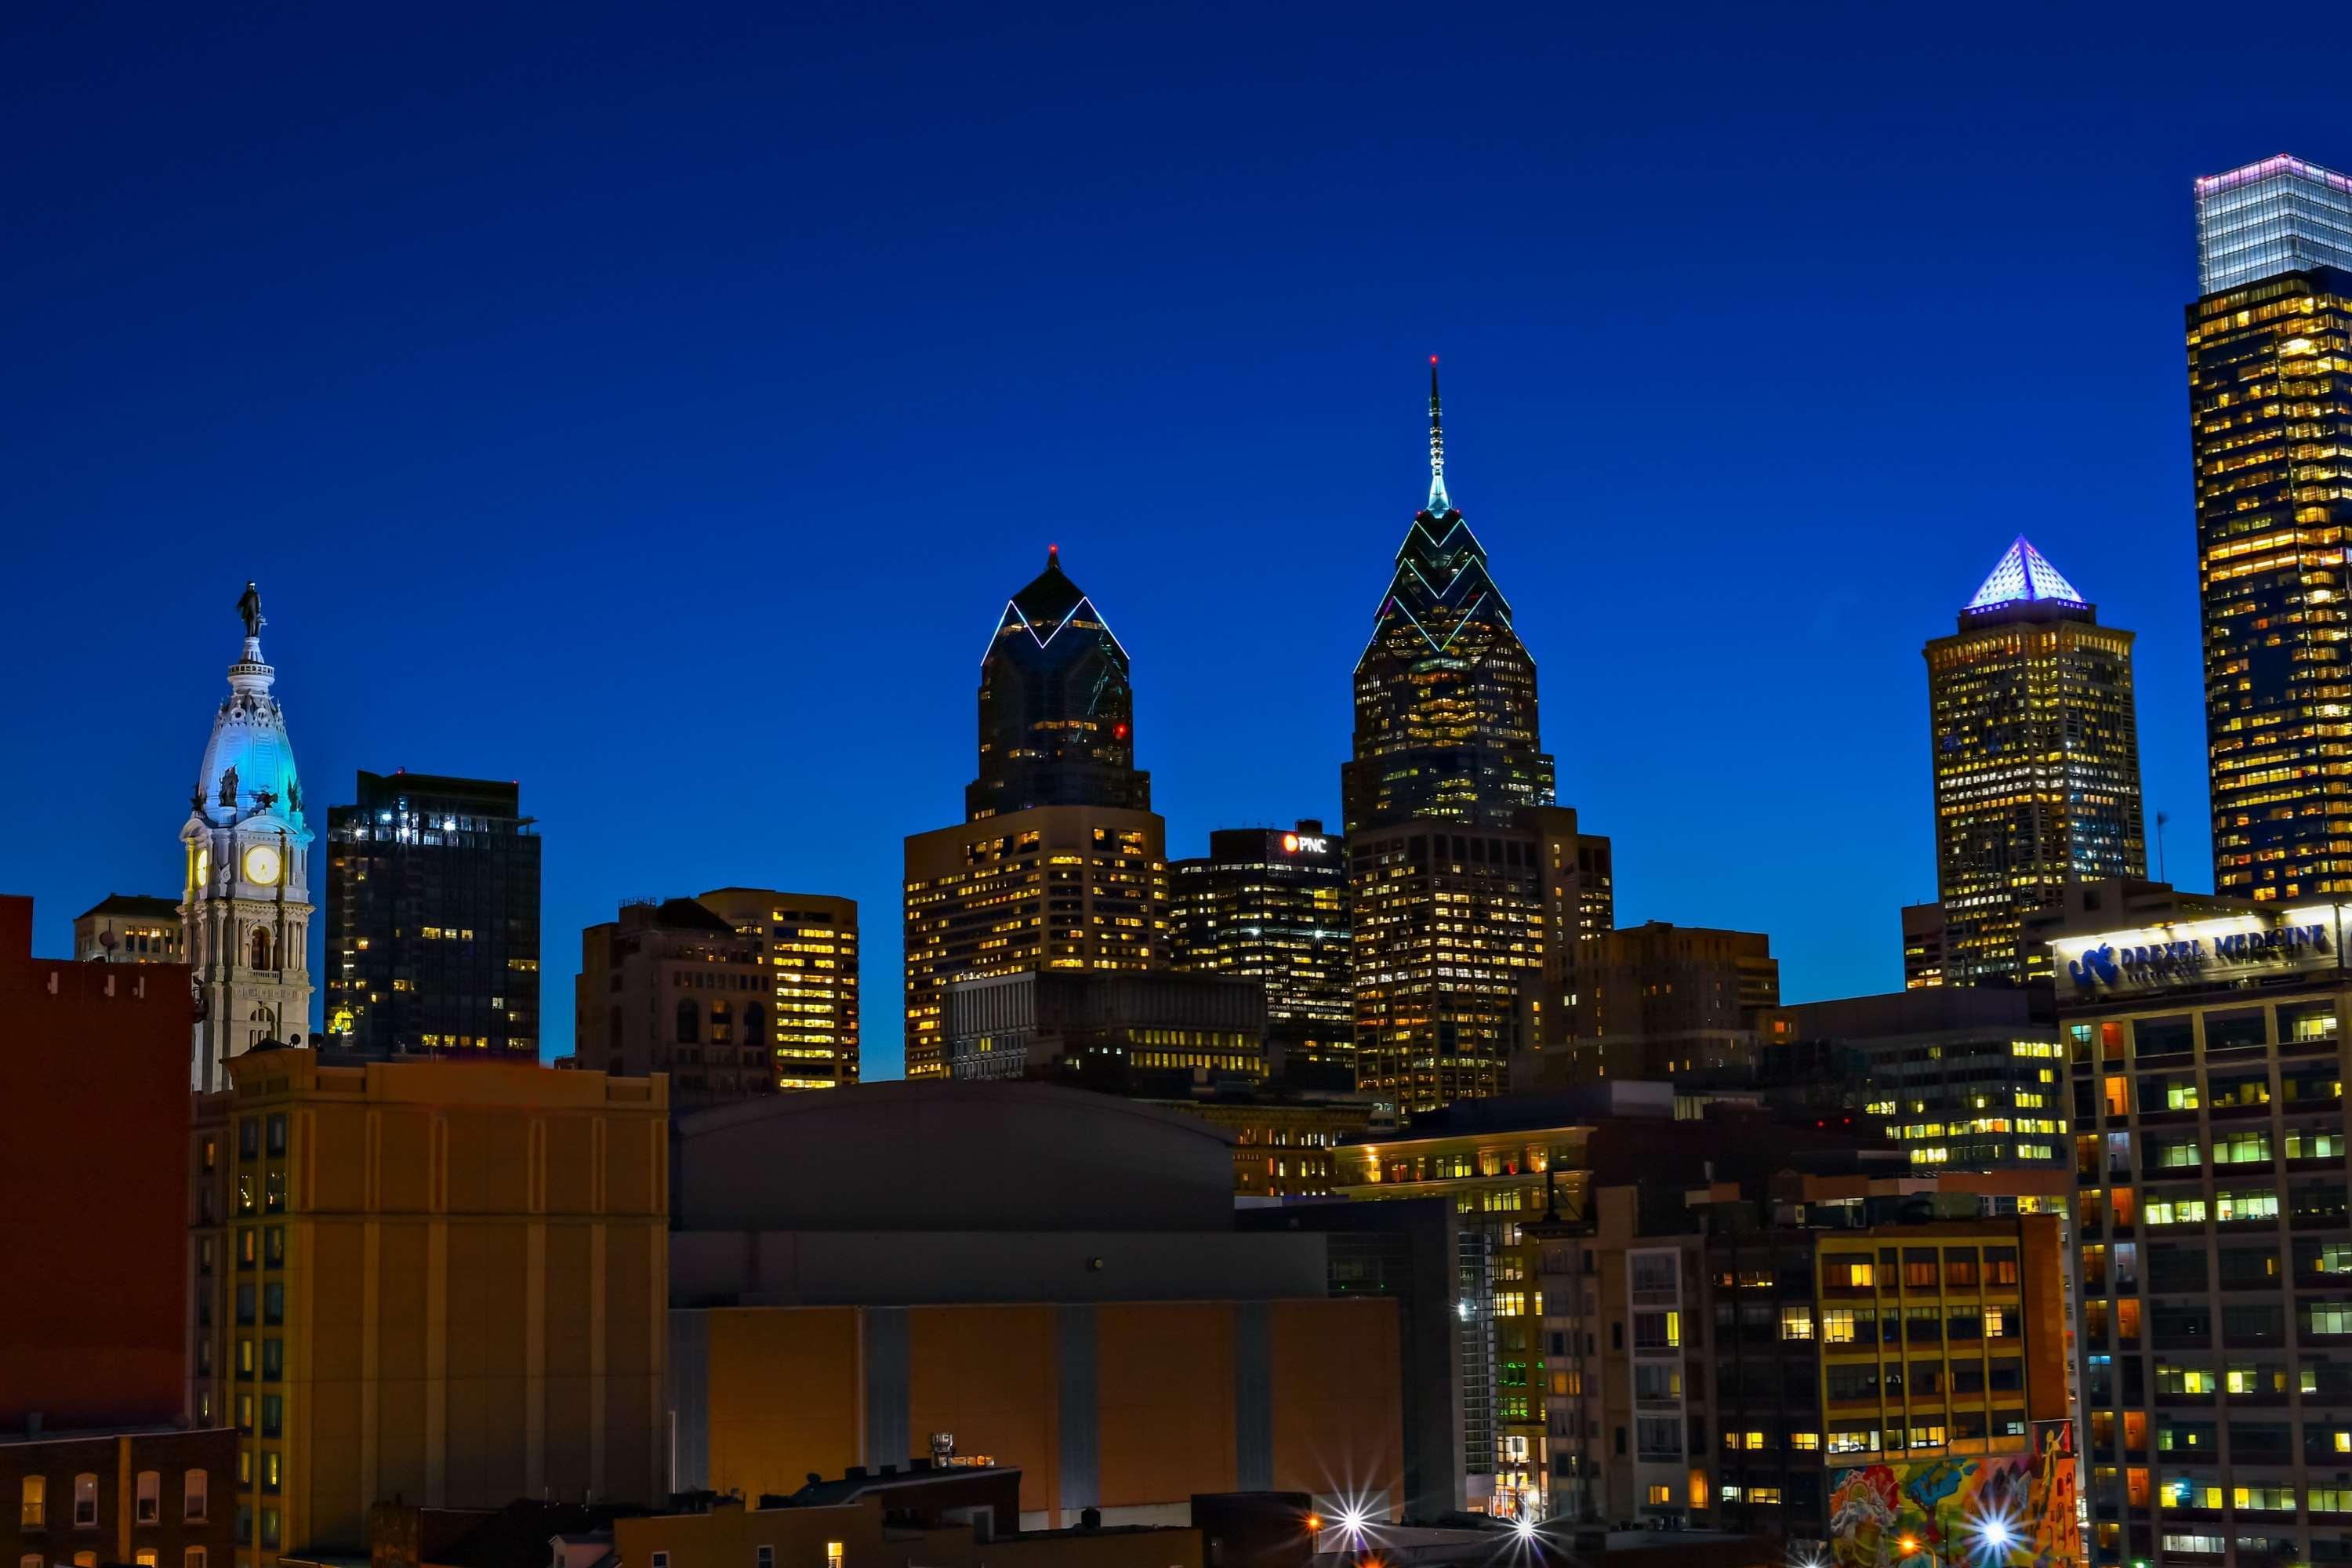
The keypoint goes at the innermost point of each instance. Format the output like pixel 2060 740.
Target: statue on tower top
pixel 248 606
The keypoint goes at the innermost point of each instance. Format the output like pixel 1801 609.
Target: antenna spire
pixel 1439 505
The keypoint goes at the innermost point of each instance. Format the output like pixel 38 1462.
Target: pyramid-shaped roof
pixel 2023 575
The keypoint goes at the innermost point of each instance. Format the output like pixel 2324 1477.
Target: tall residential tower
pixel 2036 761
pixel 2269 391
pixel 1466 883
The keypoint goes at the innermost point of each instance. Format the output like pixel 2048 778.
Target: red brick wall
pixel 93 1156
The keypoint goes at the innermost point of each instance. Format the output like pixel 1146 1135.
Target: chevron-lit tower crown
pixel 1056 714
pixel 1446 692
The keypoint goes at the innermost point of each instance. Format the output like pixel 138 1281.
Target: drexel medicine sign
pixel 2200 953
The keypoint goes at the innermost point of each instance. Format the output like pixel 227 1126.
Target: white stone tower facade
pixel 246 904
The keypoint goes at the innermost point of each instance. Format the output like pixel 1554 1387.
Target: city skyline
pixel 1660 586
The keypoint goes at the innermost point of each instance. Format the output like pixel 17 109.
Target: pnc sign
pixel 1305 844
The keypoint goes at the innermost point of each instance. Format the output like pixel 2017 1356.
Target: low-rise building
pixel 1058 1281
pixel 156 1496
pixel 1130 1033
pixel 131 928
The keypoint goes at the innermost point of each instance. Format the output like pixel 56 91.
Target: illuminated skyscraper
pixel 1466 881
pixel 1056 719
pixel 1271 905
pixel 1061 863
pixel 2270 386
pixel 2036 761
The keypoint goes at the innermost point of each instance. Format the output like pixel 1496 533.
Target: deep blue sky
pixel 657 405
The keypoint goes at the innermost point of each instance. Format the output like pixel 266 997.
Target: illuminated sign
pixel 1305 843
pixel 2201 952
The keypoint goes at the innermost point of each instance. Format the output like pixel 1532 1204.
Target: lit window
pixel 33 1503
pixel 833 1554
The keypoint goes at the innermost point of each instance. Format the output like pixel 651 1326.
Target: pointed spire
pixel 1439 505
pixel 2023 573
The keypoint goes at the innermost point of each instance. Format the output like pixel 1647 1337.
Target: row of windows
pixel 32 1499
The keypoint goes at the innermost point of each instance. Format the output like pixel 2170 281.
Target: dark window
pixel 689 1022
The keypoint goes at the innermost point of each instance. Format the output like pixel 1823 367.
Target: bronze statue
pixel 248 606
pixel 228 786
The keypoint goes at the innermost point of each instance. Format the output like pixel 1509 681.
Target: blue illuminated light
pixel 2023 576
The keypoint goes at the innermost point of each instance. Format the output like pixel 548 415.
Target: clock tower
pixel 246 904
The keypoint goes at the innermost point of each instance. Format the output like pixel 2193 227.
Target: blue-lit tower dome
pixel 246 850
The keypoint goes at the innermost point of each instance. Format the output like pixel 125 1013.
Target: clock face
pixel 203 867
pixel 261 865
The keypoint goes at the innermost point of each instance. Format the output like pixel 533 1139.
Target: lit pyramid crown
pixel 1441 591
pixel 2023 576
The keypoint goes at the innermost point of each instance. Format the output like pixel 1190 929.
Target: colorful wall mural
pixel 2003 1510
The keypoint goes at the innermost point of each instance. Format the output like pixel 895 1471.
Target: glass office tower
pixel 1465 882
pixel 2036 763
pixel 2269 380
pixel 433 917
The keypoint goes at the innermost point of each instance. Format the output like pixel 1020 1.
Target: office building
pixel 811 943
pixel 2036 762
pixel 96 1455
pixel 1658 1000
pixel 1960 1078
pixel 1465 882
pixel 1053 1276
pixel 1149 1034
pixel 1923 946
pixel 1819 1346
pixel 1286 1135
pixel 2207 1055
pixel 1271 905
pixel 1508 1161
pixel 1056 712
pixel 246 908
pixel 673 988
pixel 128 928
pixel 2270 415
pixel 434 1281
pixel 1061 864
pixel 433 918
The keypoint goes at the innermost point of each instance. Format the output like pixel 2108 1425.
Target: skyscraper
pixel 673 987
pixel 1466 883
pixel 1271 905
pixel 2036 761
pixel 1445 693
pixel 1061 862
pixel 1057 717
pixel 2270 388
pixel 246 846
pixel 810 940
pixel 433 917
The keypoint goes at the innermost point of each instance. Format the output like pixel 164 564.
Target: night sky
pixel 658 405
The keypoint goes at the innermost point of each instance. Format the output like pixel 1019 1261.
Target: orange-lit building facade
pixel 1126 1407
pixel 438 1280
